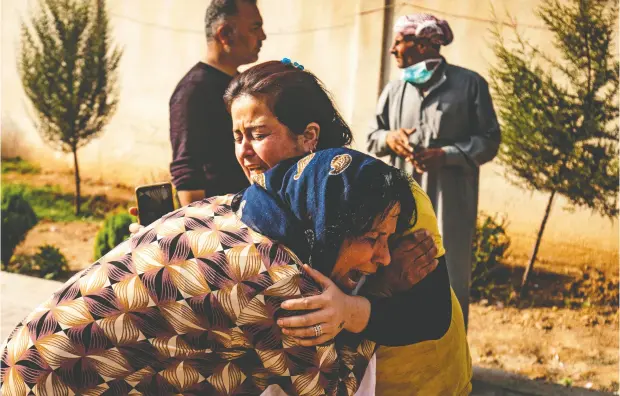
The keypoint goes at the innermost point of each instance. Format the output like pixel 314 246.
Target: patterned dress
pixel 188 306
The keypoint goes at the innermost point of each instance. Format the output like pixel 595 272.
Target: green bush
pixel 490 249
pixel 18 165
pixel 115 230
pixel 48 263
pixel 18 218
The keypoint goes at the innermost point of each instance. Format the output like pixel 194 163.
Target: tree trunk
pixel 530 265
pixel 78 197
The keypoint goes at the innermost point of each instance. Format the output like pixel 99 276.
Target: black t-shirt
pixel 203 153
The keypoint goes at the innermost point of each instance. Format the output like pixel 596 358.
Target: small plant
pixel 114 231
pixel 489 250
pixel 18 218
pixel 18 165
pixel 68 66
pixel 50 262
pixel 47 263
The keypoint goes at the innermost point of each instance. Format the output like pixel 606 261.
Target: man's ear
pixel 225 34
pixel 422 47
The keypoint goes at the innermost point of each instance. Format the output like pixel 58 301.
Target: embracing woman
pixel 203 301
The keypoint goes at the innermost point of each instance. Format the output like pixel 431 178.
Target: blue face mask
pixel 419 73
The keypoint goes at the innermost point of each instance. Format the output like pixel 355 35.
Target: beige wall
pixel 161 41
pixel 341 41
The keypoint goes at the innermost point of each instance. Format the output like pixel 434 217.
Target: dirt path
pixel 76 240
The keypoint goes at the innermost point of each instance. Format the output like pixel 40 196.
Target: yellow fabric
pixel 426 216
pixel 439 367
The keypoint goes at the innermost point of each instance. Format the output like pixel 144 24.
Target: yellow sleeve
pixel 426 217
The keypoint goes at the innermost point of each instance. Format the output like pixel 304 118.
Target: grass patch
pixel 18 165
pixel 51 203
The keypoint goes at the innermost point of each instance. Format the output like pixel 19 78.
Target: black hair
pixel 218 11
pixel 296 97
pixel 375 193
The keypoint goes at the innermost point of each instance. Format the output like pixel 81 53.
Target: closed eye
pixel 371 240
pixel 260 136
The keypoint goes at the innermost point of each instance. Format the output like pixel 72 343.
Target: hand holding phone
pixel 154 201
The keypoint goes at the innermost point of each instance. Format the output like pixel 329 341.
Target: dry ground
pixel 577 347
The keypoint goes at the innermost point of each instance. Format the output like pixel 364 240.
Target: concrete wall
pixel 162 41
pixel 341 41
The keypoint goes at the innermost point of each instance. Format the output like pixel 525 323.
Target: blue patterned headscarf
pixel 311 203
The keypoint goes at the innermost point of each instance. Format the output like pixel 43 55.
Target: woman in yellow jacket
pixel 420 359
pixel 420 329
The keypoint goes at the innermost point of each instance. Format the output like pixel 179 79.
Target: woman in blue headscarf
pixel 338 210
pixel 335 209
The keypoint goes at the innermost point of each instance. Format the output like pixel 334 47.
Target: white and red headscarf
pixel 436 30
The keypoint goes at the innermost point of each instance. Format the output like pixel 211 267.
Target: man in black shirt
pixel 203 152
pixel 203 155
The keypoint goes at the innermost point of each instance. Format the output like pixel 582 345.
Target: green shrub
pixel 48 263
pixel 115 230
pixel 19 165
pixel 490 250
pixel 18 218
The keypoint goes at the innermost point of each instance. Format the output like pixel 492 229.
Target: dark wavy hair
pixel 296 97
pixel 375 192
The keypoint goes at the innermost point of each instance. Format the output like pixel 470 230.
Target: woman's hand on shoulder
pixel 334 311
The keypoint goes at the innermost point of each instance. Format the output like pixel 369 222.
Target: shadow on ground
pixel 589 288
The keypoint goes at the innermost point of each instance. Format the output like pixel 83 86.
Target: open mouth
pixel 351 280
pixel 355 275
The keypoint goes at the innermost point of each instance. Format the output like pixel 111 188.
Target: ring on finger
pixel 318 331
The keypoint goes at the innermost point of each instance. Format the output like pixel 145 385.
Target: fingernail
pixel 280 322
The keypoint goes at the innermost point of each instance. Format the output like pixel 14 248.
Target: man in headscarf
pixel 438 123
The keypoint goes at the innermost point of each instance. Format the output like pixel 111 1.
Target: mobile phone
pixel 154 201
